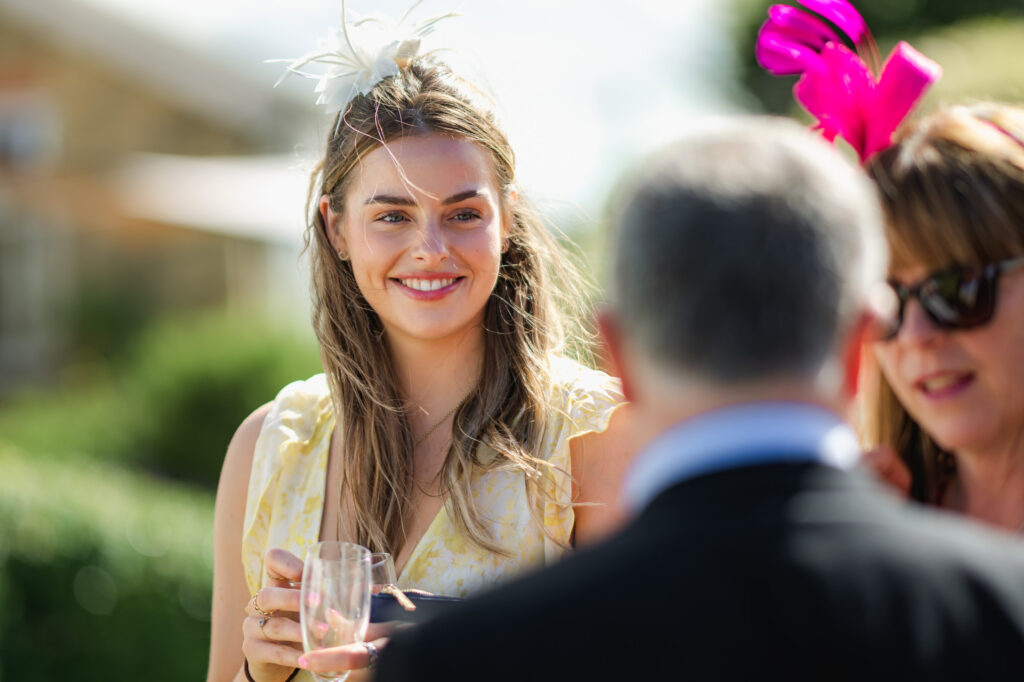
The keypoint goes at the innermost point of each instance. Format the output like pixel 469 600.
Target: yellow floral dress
pixel 286 489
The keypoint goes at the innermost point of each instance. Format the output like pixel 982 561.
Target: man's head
pixel 742 258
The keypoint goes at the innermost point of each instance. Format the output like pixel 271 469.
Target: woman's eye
pixel 391 218
pixel 465 216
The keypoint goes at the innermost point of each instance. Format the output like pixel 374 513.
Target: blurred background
pixel 152 293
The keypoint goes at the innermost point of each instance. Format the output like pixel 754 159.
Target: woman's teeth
pixel 427 284
pixel 942 382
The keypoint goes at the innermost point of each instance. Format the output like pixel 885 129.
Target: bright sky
pixel 585 85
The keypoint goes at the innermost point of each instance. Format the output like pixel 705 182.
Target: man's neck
pixel 659 410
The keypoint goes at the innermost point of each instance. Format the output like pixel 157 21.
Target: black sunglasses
pixel 955 298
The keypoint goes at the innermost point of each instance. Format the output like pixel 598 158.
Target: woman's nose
pixel 430 242
pixel 917 327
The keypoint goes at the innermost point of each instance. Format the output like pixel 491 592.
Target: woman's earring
pixel 342 255
pixel 504 245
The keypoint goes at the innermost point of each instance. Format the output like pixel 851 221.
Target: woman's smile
pixel 428 286
pixel 423 230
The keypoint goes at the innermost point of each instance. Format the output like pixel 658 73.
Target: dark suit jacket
pixel 780 571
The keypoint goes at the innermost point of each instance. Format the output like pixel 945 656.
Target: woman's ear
pixel 511 196
pixel 510 199
pixel 333 225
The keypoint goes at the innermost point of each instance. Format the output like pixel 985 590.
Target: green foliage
pixel 105 320
pixel 83 419
pixel 103 574
pixel 172 404
pixel 192 385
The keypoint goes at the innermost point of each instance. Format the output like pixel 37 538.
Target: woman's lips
pixel 944 384
pixel 428 287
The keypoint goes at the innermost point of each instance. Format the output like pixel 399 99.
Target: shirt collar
pixel 737 436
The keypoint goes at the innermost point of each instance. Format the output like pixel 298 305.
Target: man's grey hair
pixel 744 252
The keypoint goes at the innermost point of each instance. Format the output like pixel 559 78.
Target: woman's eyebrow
pixel 462 196
pixel 389 199
pixel 395 200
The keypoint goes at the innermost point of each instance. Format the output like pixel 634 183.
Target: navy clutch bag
pixel 385 607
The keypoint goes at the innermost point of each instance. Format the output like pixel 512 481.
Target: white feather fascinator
pixel 361 54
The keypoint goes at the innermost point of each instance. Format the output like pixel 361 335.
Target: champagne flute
pixel 335 598
pixel 385 579
pixel 382 571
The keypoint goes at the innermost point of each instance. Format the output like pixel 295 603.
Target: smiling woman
pixel 951 401
pixel 448 428
pixel 425 236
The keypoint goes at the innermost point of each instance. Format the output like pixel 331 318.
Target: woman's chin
pixel 965 438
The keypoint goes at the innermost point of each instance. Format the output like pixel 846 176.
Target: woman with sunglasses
pixel 950 399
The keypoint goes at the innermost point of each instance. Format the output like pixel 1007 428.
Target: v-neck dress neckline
pixel 285 502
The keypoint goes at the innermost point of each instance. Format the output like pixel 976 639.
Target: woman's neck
pixel 990 487
pixel 435 375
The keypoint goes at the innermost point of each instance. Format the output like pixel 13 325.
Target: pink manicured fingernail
pixel 303 662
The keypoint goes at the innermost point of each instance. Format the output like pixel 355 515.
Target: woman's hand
pixel 889 467
pixel 272 638
pixel 354 657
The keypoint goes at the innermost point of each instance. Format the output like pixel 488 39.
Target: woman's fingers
pixel 889 467
pixel 375 631
pixel 273 599
pixel 283 568
pixel 276 629
pixel 359 676
pixel 271 646
pixel 261 651
pixel 347 657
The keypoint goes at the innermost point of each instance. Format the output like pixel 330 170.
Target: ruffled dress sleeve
pixel 284 504
pixel 582 402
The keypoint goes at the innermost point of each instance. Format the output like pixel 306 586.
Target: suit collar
pixel 735 437
pixel 766 494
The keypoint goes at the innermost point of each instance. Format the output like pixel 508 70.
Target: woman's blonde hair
pixel 502 420
pixel 952 189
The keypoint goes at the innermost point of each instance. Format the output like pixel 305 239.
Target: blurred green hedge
pixel 106 527
pixel 192 384
pixel 104 574
pixel 171 405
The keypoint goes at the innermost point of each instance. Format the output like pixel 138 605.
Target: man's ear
pixel 332 223
pixel 862 332
pixel 612 350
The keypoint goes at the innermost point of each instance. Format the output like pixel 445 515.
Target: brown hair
pixel 952 188
pixel 506 410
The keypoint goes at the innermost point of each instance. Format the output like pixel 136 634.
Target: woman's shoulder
pixel 304 394
pixel 297 413
pixel 573 381
pixel 582 399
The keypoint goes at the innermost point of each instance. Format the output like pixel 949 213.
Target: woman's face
pixel 964 387
pixel 423 228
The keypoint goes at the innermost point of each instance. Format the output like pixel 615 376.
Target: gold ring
pixel 256 607
pixel 263 621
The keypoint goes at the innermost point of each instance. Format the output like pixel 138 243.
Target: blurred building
pixel 135 176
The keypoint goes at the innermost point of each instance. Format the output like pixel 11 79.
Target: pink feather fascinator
pixel 849 99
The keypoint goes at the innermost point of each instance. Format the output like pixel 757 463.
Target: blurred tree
pixel 194 380
pixel 104 323
pixel 889 21
pixel 171 402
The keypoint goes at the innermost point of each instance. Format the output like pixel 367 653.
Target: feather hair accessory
pixel 837 86
pixel 360 54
